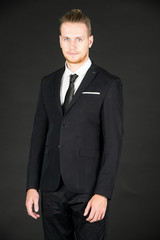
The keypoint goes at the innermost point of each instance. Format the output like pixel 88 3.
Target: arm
pixel 38 138
pixel 112 128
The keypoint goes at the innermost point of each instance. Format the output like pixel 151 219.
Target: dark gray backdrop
pixel 126 43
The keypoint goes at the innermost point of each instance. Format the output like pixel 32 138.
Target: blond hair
pixel 76 16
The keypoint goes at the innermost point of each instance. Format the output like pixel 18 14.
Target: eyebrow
pixel 69 37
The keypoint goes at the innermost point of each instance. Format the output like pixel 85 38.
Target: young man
pixel 76 140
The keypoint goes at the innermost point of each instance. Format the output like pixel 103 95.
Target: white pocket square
pixel 90 92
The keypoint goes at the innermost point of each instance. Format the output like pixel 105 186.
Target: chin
pixel 76 60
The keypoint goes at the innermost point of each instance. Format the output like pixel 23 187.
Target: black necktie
pixel 70 92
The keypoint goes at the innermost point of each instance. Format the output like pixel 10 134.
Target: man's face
pixel 75 42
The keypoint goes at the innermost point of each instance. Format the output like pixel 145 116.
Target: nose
pixel 72 45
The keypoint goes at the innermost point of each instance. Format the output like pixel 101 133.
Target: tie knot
pixel 73 78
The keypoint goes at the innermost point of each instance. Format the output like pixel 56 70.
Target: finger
pixel 29 207
pixel 36 205
pixel 91 215
pixel 30 211
pixel 34 215
pixel 102 216
pixel 86 211
pixel 95 218
pixel 34 212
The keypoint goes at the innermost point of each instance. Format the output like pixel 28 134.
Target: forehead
pixel 73 29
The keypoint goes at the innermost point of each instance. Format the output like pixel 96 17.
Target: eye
pixel 66 39
pixel 79 39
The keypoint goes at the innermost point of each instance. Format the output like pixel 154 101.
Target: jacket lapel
pixel 91 73
pixel 59 75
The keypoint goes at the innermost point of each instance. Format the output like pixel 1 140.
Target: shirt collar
pixel 80 71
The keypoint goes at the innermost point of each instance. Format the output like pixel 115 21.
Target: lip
pixel 72 54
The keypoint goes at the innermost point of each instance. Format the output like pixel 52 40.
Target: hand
pixel 32 200
pixel 98 205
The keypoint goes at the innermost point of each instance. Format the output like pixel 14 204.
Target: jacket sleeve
pixel 37 144
pixel 112 130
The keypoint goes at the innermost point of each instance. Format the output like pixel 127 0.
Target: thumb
pixel 87 208
pixel 36 206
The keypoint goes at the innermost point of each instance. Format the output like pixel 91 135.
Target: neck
pixel 74 66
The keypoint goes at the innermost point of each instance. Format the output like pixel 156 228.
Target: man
pixel 76 140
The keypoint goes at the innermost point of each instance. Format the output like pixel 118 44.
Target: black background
pixel 127 44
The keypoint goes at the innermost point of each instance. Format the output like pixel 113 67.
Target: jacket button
pixel 63 125
pixel 59 146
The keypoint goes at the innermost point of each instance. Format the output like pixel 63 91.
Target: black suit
pixel 83 144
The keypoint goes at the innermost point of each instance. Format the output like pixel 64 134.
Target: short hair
pixel 76 15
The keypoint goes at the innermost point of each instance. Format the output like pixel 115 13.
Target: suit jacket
pixel 83 145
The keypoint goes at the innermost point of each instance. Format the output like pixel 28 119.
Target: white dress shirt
pixel 66 77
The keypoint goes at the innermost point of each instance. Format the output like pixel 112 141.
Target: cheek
pixel 64 46
pixel 85 48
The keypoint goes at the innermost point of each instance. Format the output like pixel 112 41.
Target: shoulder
pixel 106 76
pixel 105 73
pixel 52 75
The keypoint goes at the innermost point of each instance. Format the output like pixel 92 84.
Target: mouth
pixel 72 54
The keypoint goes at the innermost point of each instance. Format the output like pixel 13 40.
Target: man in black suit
pixel 76 140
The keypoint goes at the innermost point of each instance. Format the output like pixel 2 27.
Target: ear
pixel 60 40
pixel 91 39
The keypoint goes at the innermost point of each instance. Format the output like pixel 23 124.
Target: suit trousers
pixel 62 216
